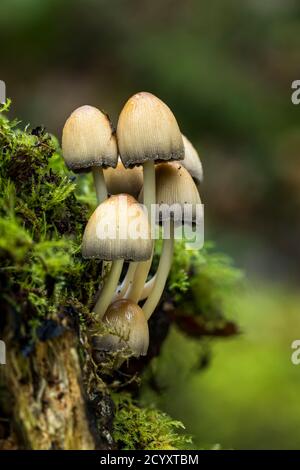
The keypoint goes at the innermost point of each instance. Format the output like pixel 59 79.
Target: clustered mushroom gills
pixel 155 162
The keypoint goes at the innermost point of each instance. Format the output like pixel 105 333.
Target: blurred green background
pixel 225 68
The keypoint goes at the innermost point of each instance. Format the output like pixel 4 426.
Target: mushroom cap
pixel 118 229
pixel 88 140
pixel 124 180
pixel 148 130
pixel 174 185
pixel 192 161
pixel 126 320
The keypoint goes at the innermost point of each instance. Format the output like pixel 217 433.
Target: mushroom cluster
pixel 147 163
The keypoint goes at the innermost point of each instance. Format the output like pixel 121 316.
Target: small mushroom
pixel 147 132
pixel 124 180
pixel 128 329
pixel 111 235
pixel 174 185
pixel 192 161
pixel 88 142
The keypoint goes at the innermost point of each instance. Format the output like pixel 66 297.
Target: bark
pixel 45 401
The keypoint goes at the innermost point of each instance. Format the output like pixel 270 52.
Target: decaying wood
pixel 46 396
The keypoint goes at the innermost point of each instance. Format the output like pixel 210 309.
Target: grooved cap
pixel 118 229
pixel 88 140
pixel 148 130
pixel 174 185
pixel 192 161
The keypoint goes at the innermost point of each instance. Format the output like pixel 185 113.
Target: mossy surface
pixel 44 279
pixel 199 288
pixel 146 428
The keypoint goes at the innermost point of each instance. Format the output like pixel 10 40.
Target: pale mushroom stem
pixel 161 274
pixel 101 193
pixel 148 288
pixel 143 268
pixel 99 183
pixel 139 281
pixel 149 186
pixel 126 283
pixel 108 289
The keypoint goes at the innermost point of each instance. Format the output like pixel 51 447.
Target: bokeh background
pixel 225 68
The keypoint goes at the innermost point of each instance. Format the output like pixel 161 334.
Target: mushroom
pixel 147 132
pixel 174 185
pixel 123 180
pixel 88 141
pixel 118 230
pixel 128 329
pixel 192 161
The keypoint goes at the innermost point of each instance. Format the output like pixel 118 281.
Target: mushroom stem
pixel 149 186
pixel 126 283
pixel 140 277
pixel 148 288
pixel 143 268
pixel 99 183
pixel 101 193
pixel 161 274
pixel 108 289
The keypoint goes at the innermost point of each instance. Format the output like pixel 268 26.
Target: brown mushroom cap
pixel 148 130
pixel 124 180
pixel 129 328
pixel 88 140
pixel 192 161
pixel 110 232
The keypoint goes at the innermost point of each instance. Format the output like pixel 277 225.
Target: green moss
pixel 145 428
pixel 200 286
pixel 203 279
pixel 42 274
